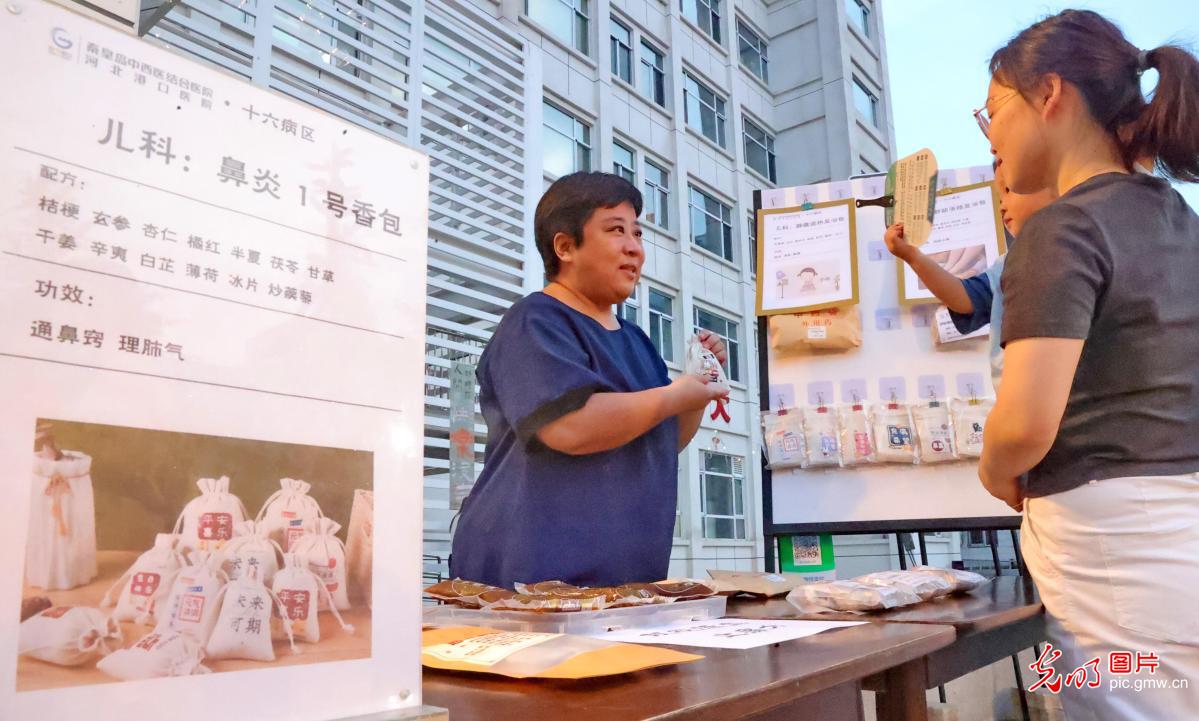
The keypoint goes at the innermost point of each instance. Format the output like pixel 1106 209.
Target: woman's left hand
pixel 1007 490
pixel 712 342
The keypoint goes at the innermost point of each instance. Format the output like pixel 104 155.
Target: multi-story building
pixel 697 102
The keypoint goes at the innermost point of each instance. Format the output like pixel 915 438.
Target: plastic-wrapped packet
pixel 821 438
pixel 857 440
pixel 923 584
pixel 782 434
pixel 552 588
pixel 459 592
pixel 634 594
pixel 894 437
pixel 682 589
pixel 585 600
pixel 841 596
pixel 969 419
pixel 961 581
pixel 703 363
pixel 934 432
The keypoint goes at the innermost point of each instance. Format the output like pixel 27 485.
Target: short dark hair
pixel 570 202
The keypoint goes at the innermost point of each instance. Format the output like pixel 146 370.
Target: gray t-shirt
pixel 1114 261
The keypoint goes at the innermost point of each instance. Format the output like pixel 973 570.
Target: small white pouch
pixel 894 438
pixel 69 635
pixel 857 438
pixel 782 434
pixel 934 433
pixel 969 420
pixel 298 590
pixel 156 655
pixel 144 587
pixel 822 440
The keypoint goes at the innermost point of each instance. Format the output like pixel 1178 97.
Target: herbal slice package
pixel 934 433
pixel 894 436
pixel 857 436
pixel 822 438
pixel 969 420
pixel 782 434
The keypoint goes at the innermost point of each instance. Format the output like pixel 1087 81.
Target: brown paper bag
pixel 830 329
pixel 528 655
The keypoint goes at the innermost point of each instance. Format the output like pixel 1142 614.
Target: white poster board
pixel 897 355
pixel 202 278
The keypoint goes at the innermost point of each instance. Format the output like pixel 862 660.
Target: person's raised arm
pixel 945 285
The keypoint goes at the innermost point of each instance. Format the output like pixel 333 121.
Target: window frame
pixel 618 167
pixel 718 107
pixel 732 343
pixel 725 219
pixel 860 86
pixel 662 218
pixel 656 73
pixel 711 18
pixel 618 46
pixel 759 45
pixel 737 488
pixel 580 25
pixel 582 147
pixel 656 318
pixel 766 144
pixel 859 16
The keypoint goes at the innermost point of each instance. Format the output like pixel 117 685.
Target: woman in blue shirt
pixel 584 424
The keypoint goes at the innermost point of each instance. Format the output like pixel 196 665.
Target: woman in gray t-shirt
pixel 1099 404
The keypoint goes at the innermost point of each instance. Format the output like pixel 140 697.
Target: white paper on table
pixel 733 633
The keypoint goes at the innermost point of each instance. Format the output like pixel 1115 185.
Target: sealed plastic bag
pixel 325 555
pixel 934 433
pixel 60 548
pixel 822 440
pixel 831 329
pixel 703 363
pixel 844 596
pixel 857 440
pixel 156 655
pixel 782 434
pixel 298 591
pixel 208 520
pixel 360 546
pixel 538 655
pixel 969 419
pixel 583 600
pixel 69 635
pixel 894 439
pixel 459 592
pixel 760 584
pixel 251 547
pixel 191 606
pixel 144 587
pixel 243 628
pixel 289 513
pixel 924 585
pixel 961 581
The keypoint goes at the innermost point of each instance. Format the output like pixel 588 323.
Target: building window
pixel 759 150
pixel 705 14
pixel 623 162
pixel 656 195
pixel 704 110
pixel 711 224
pixel 661 323
pixel 652 82
pixel 859 15
pixel 753 51
pixel 865 102
pixel 567 142
pixel 566 19
pixel 729 332
pixel 629 309
pixel 622 52
pixel 722 485
pixel 753 243
pixel 976 538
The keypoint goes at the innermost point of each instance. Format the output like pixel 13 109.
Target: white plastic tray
pixel 579 622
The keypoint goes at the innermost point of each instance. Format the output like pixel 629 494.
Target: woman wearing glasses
pixel 1100 397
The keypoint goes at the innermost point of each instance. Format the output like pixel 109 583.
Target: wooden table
pixel 818 677
pixel 992 622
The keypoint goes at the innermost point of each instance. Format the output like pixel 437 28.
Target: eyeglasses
pixel 983 117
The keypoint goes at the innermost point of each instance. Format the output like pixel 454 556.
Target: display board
pixel 214 309
pixel 897 357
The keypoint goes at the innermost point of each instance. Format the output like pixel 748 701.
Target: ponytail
pixel 1091 53
pixel 1168 128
